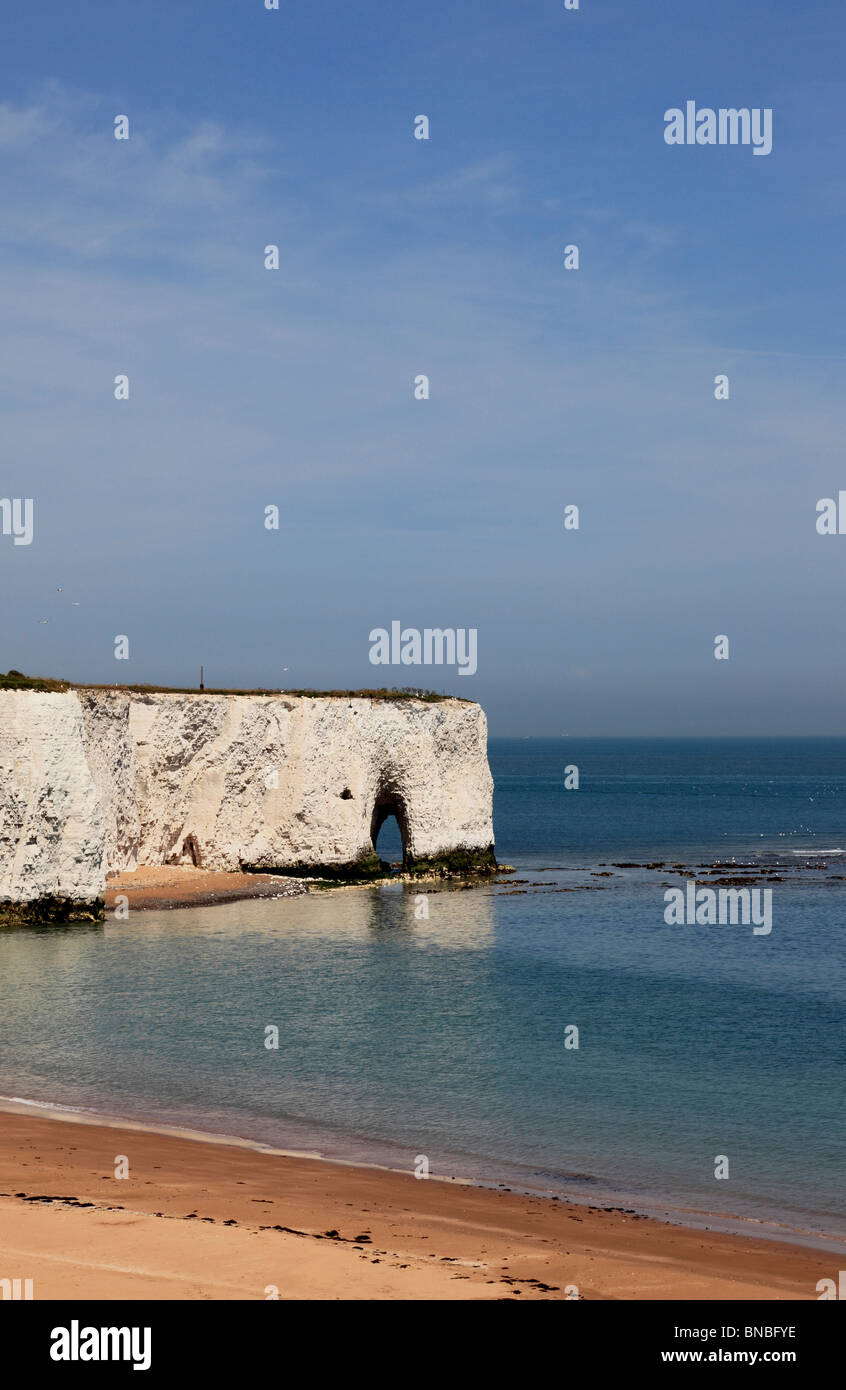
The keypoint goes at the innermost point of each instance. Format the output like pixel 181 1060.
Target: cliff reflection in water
pixel 458 918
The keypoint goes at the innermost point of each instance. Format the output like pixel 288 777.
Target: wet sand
pixel 202 1219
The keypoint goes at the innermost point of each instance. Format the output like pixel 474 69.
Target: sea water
pixel 426 1020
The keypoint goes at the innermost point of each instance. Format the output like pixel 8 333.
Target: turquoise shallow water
pixel 402 1035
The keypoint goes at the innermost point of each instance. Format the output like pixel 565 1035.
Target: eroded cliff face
pixel 95 782
pixel 52 830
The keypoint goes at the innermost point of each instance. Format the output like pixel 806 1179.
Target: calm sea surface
pixel 402 1035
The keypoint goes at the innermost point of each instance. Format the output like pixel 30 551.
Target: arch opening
pixel 389 828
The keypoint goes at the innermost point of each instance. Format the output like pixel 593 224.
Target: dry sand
pixel 212 1220
pixel 180 885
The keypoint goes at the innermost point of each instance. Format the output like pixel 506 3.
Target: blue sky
pixel 294 387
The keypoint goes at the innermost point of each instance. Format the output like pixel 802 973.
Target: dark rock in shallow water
pixel 46 911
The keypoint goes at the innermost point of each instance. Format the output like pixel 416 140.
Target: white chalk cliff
pixel 93 782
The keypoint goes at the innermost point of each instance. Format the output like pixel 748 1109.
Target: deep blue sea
pixel 402 1034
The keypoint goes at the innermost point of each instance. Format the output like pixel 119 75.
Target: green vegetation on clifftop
pixel 15 680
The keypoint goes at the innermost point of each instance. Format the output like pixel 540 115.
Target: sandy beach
pixel 180 885
pixel 201 1219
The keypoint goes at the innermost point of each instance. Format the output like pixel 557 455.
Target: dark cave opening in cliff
pixel 389 829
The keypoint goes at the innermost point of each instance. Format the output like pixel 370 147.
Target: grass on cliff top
pixel 15 680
